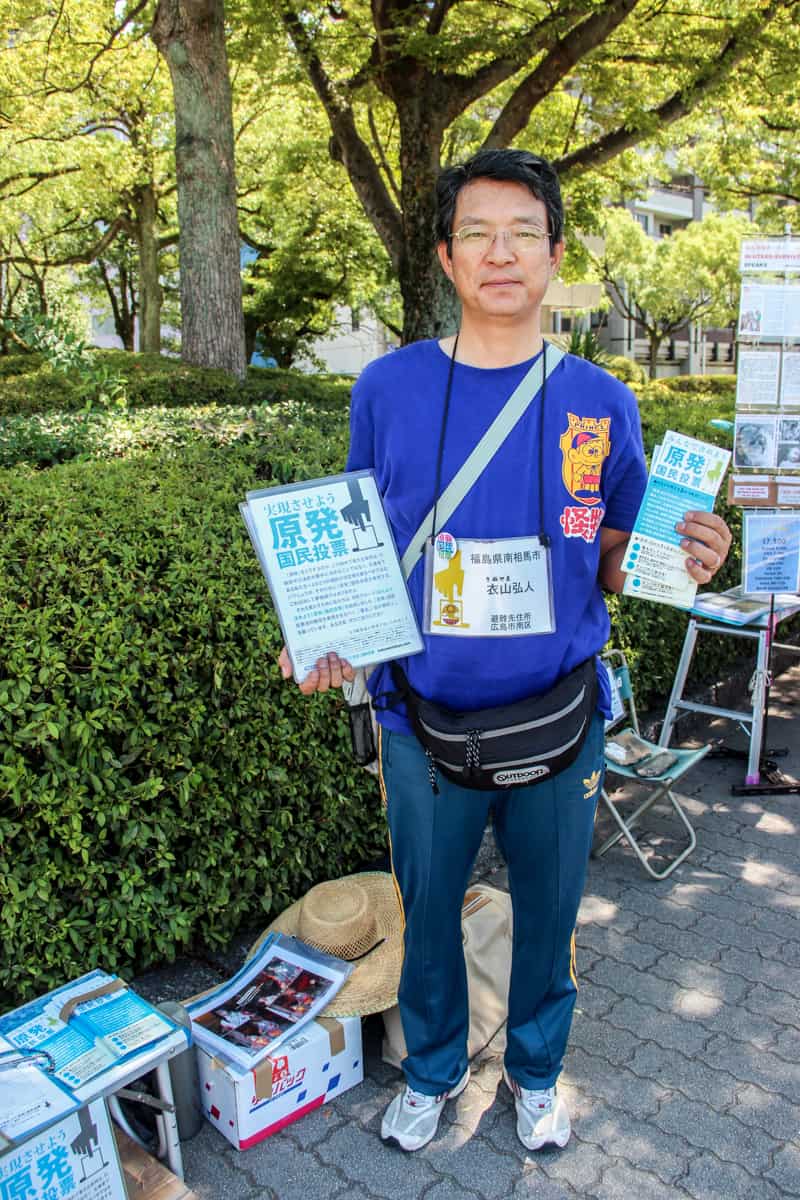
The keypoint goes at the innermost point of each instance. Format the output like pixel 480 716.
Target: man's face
pixel 499 280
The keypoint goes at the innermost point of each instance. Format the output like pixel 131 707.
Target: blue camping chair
pixel 624 728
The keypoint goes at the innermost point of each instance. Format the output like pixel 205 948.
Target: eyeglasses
pixel 522 240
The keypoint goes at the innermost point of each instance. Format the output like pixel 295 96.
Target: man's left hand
pixel 707 539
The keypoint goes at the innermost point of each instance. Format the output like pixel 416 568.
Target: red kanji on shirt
pixel 581 522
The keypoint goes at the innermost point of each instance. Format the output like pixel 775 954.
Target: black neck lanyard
pixel 543 537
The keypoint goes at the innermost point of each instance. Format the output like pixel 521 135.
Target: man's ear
pixel 442 250
pixel 556 255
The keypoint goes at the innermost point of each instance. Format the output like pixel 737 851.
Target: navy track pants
pixel 545 834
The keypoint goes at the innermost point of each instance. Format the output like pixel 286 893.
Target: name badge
pixel 481 588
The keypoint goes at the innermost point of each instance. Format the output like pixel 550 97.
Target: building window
pixel 644 220
pixel 664 230
pixel 355 320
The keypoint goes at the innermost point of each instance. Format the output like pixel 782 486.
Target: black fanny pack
pixel 515 745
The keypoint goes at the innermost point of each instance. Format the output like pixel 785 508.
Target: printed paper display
pixel 769 311
pixel 284 985
pixel 769 255
pixel 755 440
pixel 488 588
pixel 790 380
pixel 95 1036
pixel 771 560
pixel 757 378
pixel 685 476
pixel 330 561
pixel 75 1159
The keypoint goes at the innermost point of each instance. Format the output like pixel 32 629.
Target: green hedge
pixel 159 785
pixel 151 379
pixel 158 782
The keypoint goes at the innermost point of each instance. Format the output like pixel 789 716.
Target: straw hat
pixel 357 918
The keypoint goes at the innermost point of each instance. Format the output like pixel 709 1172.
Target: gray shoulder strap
pixel 487 447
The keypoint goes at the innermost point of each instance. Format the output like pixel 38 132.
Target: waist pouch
pixel 514 745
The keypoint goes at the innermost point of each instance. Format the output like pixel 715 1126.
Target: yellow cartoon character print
pixel 584 446
pixel 449 583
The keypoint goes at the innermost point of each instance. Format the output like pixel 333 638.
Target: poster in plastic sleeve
pixel 331 564
pixel 757 378
pixel 770 255
pixel 75 1159
pixel 771 559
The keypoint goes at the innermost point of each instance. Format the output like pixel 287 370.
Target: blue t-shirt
pixel 594 471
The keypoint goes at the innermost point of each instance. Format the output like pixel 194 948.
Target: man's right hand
pixel 330 671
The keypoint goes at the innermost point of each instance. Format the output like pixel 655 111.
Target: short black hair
pixel 508 166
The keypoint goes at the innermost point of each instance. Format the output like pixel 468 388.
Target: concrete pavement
pixel 683 1073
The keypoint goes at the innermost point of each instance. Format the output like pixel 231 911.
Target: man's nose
pixel 500 247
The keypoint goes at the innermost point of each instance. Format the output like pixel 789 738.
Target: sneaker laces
pixel 412 1099
pixel 543 1100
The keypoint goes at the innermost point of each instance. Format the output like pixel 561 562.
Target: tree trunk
pixel 191 36
pixel 430 305
pixel 149 285
pixel 655 345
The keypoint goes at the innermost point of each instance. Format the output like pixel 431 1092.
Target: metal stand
pixel 758 762
pixel 776 783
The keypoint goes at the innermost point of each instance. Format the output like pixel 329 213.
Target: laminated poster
pixel 771 560
pixel 769 311
pixel 757 378
pixel 332 568
pixel 75 1159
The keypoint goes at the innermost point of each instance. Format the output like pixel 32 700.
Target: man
pixel 572 467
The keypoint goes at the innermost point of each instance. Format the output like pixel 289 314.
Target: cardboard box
pixel 145 1177
pixel 323 1060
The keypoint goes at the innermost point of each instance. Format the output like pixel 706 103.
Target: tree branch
pixel 554 67
pixel 364 172
pixel 463 90
pixel 87 256
pixel 52 89
pixel 36 178
pixel 376 141
pixel 680 103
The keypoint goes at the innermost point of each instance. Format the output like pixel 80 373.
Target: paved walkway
pixel 683 1073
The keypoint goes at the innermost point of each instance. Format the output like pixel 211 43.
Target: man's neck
pixel 492 346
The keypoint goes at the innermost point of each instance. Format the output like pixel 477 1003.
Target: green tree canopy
pixel 662 285
pixel 407 85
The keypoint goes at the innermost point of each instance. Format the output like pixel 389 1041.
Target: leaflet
pixel 327 551
pixel 86 1027
pixel 685 476
pixel 29 1096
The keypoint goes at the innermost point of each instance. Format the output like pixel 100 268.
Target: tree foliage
pixel 407 85
pixel 663 285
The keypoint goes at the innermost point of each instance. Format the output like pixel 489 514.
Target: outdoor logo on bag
pixel 585 445
pixel 520 775
pixel 592 783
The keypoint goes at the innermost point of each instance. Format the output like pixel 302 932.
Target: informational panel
pixel 74 1159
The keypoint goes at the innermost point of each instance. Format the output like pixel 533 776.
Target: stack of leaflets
pixel 52 1047
pixel 284 985
pixel 736 607
pixel 685 475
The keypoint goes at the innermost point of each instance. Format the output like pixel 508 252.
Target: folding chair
pixel 624 725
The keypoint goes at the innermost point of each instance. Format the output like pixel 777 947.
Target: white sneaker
pixel 542 1117
pixel 412 1118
